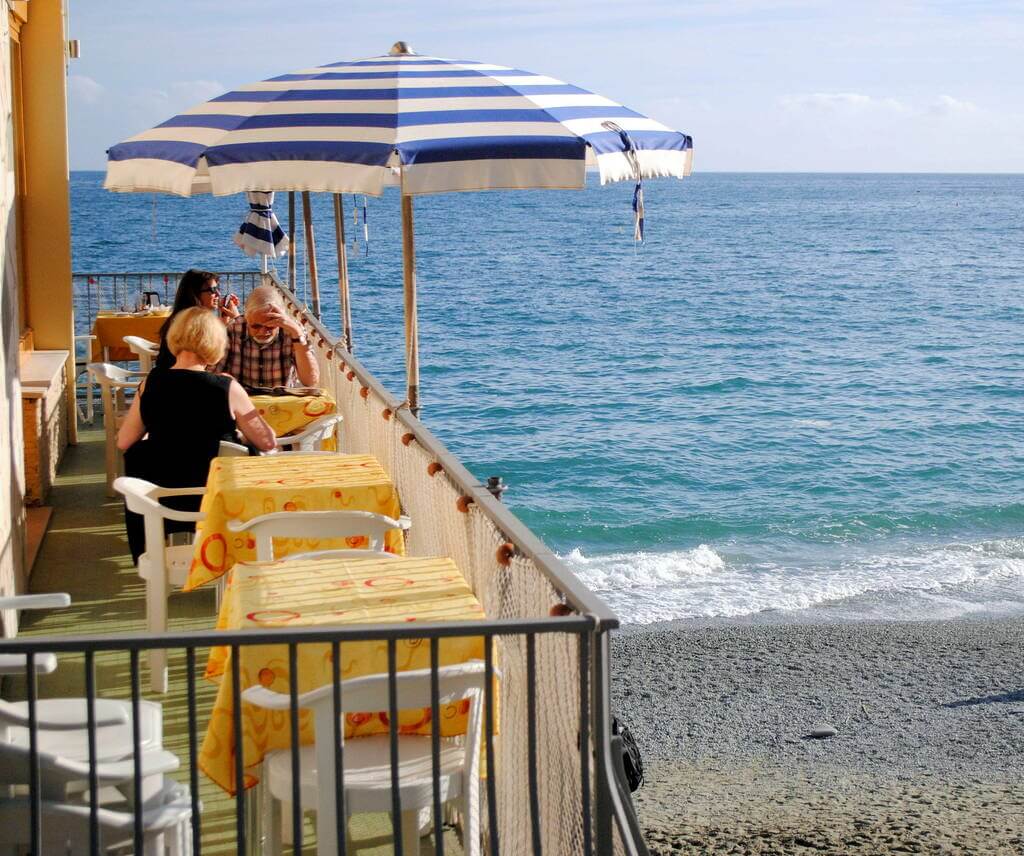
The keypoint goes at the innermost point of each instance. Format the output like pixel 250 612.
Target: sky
pixel 761 85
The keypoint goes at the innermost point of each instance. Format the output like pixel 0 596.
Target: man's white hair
pixel 263 296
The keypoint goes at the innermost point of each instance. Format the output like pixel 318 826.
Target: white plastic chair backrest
pixel 85 341
pixel 145 350
pixel 314 525
pixel 310 438
pixel 112 379
pixel 413 689
pixel 232 450
pixel 142 497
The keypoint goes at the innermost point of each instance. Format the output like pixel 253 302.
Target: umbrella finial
pixel 401 49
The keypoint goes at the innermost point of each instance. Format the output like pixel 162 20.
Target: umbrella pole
pixel 291 241
pixel 314 282
pixel 339 236
pixel 412 341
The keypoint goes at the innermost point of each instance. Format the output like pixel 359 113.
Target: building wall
pixel 35 248
pixel 12 475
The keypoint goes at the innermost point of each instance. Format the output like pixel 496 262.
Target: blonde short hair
pixel 198 331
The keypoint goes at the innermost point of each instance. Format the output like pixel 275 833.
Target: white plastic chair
pixel 311 438
pixel 61 722
pixel 145 351
pixel 166 806
pixel 82 368
pixel 113 381
pixel 320 525
pixel 232 450
pixel 162 565
pixel 11 664
pixel 65 826
pixel 367 760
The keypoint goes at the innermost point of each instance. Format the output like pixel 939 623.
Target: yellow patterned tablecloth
pixel 110 331
pixel 243 488
pixel 303 592
pixel 289 414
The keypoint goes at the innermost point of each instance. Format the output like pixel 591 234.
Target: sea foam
pixel 906 581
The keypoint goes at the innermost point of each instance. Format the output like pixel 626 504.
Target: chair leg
pixel 111 456
pixel 411 832
pixel 286 823
pixel 272 824
pixel 156 619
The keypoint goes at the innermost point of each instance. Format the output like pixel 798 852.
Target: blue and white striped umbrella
pixel 431 125
pixel 426 124
pixel 260 233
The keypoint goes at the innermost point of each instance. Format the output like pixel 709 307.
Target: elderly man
pixel 267 347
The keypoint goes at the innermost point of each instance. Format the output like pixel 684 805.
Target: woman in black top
pixel 179 416
pixel 197 288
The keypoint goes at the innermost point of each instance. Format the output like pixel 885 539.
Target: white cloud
pixel 192 92
pixel 178 96
pixel 841 102
pixel 946 105
pixel 84 89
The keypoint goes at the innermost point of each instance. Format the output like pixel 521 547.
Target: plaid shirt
pixel 252 364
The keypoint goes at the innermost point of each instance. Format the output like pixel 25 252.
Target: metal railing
pixel 592 721
pixel 120 292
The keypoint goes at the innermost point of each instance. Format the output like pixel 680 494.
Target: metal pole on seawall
pixel 412 340
pixel 291 241
pixel 343 293
pixel 314 282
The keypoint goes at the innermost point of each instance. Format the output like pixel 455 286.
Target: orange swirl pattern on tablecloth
pixel 289 414
pixel 243 488
pixel 325 592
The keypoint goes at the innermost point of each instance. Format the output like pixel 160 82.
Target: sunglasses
pixel 213 289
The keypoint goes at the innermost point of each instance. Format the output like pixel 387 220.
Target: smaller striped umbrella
pixel 260 233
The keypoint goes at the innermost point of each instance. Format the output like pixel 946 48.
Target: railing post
pixel 601 711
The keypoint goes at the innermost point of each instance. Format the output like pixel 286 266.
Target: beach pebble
pixel 821 732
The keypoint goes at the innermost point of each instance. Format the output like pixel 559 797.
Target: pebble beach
pixel 767 737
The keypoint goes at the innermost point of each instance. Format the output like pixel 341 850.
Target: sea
pixel 801 398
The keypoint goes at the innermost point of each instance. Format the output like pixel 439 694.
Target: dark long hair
pixel 193 281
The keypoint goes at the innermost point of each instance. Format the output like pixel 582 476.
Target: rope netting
pixel 509 586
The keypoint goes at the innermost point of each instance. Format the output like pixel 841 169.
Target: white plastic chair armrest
pixel 179 491
pixel 405 523
pixel 183 516
pixel 262 697
pixel 51 600
pixel 14 664
pixel 152 763
pixel 10 715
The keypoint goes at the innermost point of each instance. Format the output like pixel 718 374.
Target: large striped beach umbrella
pixel 426 124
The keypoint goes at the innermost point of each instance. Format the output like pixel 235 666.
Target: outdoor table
pixel 239 488
pixel 110 330
pixel 323 592
pixel 289 414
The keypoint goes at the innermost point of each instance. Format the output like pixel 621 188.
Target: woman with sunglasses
pixel 196 288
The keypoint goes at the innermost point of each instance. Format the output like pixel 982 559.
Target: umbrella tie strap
pixel 629 151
